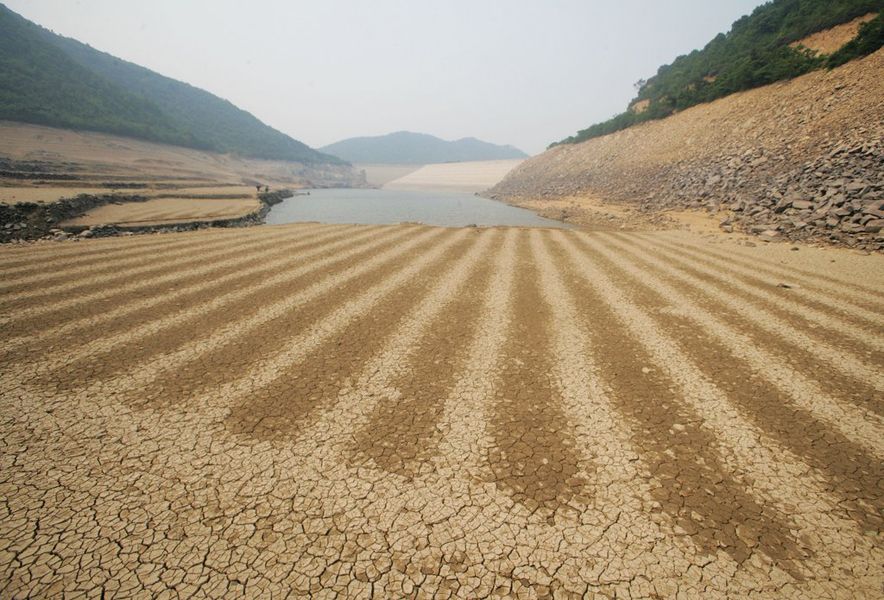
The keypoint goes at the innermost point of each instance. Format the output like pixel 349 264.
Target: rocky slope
pixel 800 160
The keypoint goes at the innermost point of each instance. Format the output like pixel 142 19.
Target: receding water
pixel 379 207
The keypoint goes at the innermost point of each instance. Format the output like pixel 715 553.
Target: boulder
pixel 874 226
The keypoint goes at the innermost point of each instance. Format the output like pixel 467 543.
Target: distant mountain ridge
pixel 47 79
pixel 406 147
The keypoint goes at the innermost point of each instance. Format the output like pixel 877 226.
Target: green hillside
pixel 753 53
pixel 50 80
pixel 406 147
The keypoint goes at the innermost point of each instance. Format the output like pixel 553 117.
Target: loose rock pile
pixel 837 197
pixel 33 220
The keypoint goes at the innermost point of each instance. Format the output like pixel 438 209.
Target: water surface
pixel 382 207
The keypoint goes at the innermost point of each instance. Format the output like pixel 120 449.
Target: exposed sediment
pixel 32 220
pixel 405 411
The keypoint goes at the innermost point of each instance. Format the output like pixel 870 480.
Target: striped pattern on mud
pixel 406 411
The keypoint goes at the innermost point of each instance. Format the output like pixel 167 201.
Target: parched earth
pixel 405 411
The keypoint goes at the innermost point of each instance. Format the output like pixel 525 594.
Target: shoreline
pixel 31 221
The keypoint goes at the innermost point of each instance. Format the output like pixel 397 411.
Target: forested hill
pixel 51 80
pixel 758 50
pixel 406 147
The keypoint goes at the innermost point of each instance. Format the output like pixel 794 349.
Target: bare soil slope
pixel 830 40
pixel 800 159
pixel 95 157
pixel 408 411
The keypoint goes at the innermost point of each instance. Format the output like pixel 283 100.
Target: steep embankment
pixel 800 159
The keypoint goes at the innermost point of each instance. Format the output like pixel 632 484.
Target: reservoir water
pixel 381 207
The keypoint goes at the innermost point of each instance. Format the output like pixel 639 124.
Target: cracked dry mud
pixel 405 411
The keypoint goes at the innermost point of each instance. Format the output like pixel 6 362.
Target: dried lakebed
pixel 320 409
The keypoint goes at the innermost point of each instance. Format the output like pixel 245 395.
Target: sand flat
pixel 43 194
pixel 166 210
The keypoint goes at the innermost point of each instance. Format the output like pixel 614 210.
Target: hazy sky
pixel 508 71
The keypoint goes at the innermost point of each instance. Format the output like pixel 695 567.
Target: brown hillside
pixel 87 158
pixel 800 159
pixel 67 172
